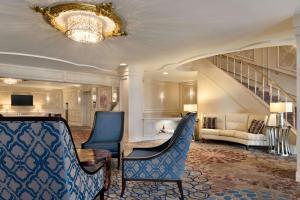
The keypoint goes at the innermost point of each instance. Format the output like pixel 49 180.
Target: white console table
pixel 153 126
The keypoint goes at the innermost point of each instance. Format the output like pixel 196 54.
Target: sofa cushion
pixel 237 121
pixel 227 133
pixel 207 131
pixel 220 121
pixel 256 126
pixel 209 122
pixel 249 136
pixel 257 117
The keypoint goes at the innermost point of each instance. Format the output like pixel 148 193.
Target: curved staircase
pixel 253 78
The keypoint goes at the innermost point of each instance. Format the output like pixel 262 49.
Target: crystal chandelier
pixel 86 23
pixel 83 28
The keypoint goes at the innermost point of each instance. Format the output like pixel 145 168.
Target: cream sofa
pixel 234 127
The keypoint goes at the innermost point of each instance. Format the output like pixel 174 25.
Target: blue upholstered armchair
pixel 107 133
pixel 162 163
pixel 38 161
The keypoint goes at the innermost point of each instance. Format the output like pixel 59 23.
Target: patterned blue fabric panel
pixel 169 165
pixel 38 161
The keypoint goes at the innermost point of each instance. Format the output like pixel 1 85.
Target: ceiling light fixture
pixel 165 73
pixel 83 22
pixel 11 81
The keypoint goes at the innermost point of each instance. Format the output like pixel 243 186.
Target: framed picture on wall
pixel 105 98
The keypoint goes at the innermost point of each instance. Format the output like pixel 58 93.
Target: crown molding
pixel 34 73
pixel 101 69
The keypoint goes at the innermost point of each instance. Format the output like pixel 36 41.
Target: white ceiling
pixel 162 34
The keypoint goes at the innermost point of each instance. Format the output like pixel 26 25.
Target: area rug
pixel 215 170
pixel 194 183
pixel 235 173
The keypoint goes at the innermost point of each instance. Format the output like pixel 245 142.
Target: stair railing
pixel 252 77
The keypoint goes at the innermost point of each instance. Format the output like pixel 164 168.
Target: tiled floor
pixel 216 170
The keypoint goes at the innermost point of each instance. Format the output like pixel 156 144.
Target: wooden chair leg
pixel 179 183
pixel 102 194
pixel 123 187
pixel 119 161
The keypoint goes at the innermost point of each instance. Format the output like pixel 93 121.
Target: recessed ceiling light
pixel 11 81
pixel 123 64
pixel 165 73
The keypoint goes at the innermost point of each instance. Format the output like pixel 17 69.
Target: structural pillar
pixel 297 34
pixel 132 103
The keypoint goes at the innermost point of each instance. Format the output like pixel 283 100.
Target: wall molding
pixel 34 73
pixel 56 60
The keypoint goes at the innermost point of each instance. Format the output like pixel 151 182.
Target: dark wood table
pixel 92 159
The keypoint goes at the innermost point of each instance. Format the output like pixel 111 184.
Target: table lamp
pixel 190 107
pixel 279 108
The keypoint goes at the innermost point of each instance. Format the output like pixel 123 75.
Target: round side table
pixel 278 139
pixel 91 159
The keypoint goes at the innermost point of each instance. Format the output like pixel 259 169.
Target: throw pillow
pixel 256 126
pixel 209 122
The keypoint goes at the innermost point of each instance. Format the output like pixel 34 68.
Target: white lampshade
pixel 288 107
pixel 190 107
pixel 272 121
pixel 281 107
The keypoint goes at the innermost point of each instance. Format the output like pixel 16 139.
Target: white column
pixel 132 102
pixel 297 33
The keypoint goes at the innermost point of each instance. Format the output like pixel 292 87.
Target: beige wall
pixel 166 99
pixel 161 98
pixel 41 105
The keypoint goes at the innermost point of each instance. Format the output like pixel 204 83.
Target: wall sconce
pixel 114 97
pixel 79 100
pixel 94 99
pixel 162 97
pixel 47 98
pixel 38 108
pixel 6 107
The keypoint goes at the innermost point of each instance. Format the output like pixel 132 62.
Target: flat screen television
pixel 21 100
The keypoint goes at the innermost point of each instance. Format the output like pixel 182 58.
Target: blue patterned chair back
pixel 181 140
pixel 38 161
pixel 108 127
pixel 169 164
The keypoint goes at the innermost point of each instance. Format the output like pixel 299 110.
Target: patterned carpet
pixel 215 170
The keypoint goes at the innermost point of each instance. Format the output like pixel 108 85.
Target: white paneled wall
pixel 166 99
pixel 44 101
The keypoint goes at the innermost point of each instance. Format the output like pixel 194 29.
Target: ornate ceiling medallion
pixel 83 22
